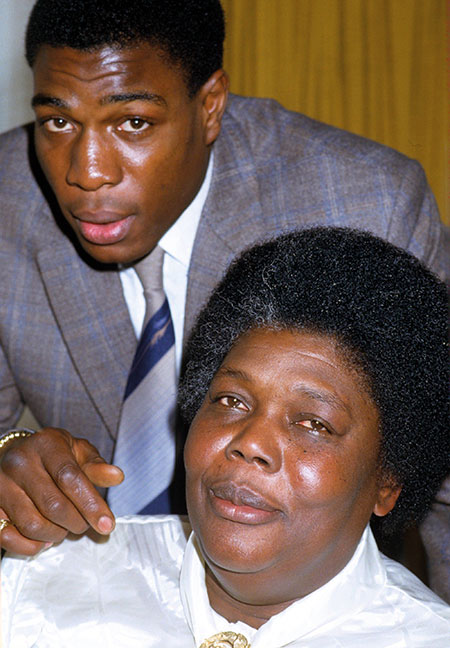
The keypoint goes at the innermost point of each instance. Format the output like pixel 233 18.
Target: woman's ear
pixel 388 493
pixel 213 95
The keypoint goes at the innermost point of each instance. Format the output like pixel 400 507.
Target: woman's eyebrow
pixel 323 396
pixel 225 371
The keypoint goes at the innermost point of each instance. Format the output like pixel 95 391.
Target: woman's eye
pixel 313 425
pixel 134 125
pixel 58 125
pixel 232 403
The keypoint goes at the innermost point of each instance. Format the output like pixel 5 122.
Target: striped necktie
pixel 145 447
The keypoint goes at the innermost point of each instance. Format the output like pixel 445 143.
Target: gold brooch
pixel 226 640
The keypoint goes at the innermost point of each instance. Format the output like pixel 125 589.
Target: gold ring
pixel 4 523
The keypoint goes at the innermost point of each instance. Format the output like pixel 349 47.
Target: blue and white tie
pixel 145 447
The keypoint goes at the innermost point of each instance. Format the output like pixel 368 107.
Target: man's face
pixel 122 144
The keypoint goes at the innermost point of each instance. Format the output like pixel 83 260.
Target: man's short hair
pixel 189 33
pixel 387 313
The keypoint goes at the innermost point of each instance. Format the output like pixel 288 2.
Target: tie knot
pixel 149 270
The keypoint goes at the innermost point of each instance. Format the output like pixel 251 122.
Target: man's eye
pixel 58 125
pixel 313 425
pixel 232 403
pixel 136 124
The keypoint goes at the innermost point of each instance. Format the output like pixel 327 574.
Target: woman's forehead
pixel 296 360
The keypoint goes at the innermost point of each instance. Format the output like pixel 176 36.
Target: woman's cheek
pixel 318 484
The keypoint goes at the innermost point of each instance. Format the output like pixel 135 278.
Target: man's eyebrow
pixel 47 100
pixel 134 96
pixel 151 97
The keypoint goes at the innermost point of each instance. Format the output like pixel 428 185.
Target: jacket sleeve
pixel 11 404
pixel 416 211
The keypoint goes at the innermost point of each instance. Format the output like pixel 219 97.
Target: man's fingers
pixel 94 466
pixel 56 507
pixel 24 513
pixel 69 474
pixel 45 491
pixel 12 540
pixel 27 531
pixel 34 494
pixel 102 474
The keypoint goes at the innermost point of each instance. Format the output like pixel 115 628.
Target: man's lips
pixel 102 227
pixel 241 504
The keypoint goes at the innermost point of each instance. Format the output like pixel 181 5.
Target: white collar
pixel 178 241
pixel 345 594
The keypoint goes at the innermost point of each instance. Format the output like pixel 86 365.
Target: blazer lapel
pixel 93 318
pixel 232 219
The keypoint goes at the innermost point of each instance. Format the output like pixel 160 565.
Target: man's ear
pixel 213 96
pixel 388 493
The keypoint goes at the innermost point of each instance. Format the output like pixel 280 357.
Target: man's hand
pixel 47 489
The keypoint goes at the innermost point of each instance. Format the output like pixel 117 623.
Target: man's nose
pixel 93 162
pixel 258 441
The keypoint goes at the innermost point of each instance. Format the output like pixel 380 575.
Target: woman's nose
pixel 258 442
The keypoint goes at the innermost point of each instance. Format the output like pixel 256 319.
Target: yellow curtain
pixel 375 67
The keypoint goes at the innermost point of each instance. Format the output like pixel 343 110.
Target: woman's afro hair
pixel 382 306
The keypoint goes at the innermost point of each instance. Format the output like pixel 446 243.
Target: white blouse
pixel 144 586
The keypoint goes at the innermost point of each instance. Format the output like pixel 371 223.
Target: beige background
pixel 375 67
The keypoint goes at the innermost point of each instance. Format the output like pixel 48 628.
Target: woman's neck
pixel 235 610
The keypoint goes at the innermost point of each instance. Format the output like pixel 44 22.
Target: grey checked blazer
pixel 66 338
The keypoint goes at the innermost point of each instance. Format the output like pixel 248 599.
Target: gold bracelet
pixel 15 434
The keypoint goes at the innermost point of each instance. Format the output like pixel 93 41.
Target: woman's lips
pixel 240 504
pixel 103 229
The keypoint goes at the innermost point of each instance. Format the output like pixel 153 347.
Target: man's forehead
pixel 125 74
pixel 103 60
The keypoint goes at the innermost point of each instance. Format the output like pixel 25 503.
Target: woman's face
pixel 282 466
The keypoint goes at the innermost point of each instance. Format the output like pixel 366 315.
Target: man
pixel 130 100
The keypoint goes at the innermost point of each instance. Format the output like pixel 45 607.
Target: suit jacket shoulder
pixel 276 170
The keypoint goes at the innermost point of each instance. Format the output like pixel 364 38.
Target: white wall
pixel 15 75
pixel 15 87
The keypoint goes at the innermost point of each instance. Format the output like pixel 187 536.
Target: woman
pixel 316 390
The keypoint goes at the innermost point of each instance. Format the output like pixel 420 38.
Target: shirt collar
pixel 178 241
pixel 345 594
